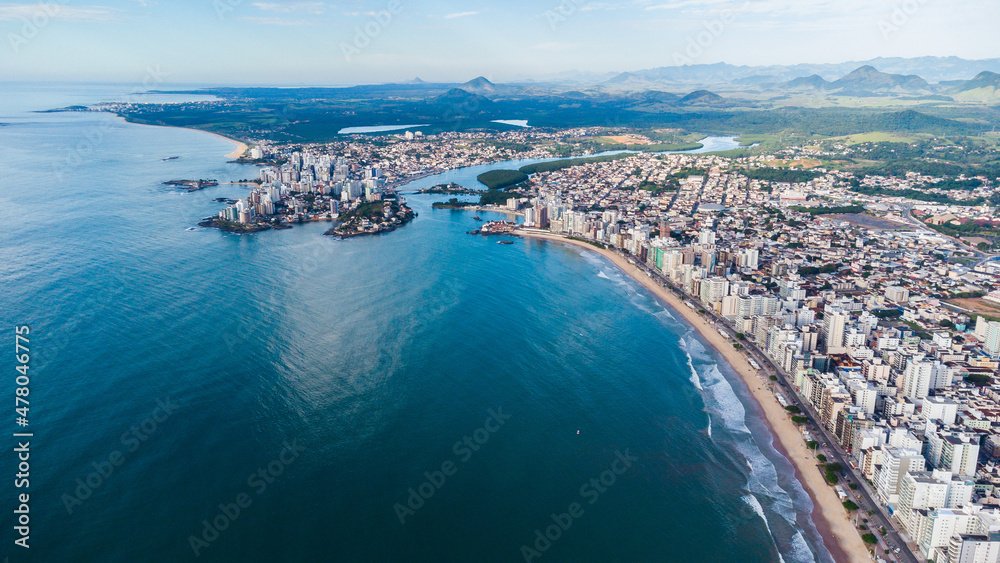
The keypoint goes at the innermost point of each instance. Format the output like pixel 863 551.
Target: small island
pixel 450 189
pixel 192 185
pixel 372 218
pixel 454 203
pixel 240 228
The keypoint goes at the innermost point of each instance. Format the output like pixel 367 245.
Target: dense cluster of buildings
pixel 855 311
pixel 323 182
pixel 307 187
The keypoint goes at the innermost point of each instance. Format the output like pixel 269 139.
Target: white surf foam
pixel 724 405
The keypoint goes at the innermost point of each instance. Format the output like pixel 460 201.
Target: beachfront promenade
pixel 837 527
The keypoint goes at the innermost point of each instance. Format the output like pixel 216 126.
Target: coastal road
pixel 864 493
pixel 983 257
pixel 878 518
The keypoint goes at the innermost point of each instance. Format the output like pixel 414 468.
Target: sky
pixel 361 41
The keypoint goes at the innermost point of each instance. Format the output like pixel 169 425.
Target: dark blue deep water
pixel 170 367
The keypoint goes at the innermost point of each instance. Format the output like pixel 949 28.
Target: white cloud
pixel 265 20
pixel 457 15
pixel 39 11
pixel 314 8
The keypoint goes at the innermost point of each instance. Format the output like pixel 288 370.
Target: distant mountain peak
pixel 461 96
pixel 701 97
pixel 983 79
pixel 869 79
pixel 480 82
pixel 814 81
pixel 984 87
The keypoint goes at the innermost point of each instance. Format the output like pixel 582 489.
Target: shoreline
pixel 840 537
pixel 238 151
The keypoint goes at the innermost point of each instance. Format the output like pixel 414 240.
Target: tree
pixel 869 539
pixel 850 505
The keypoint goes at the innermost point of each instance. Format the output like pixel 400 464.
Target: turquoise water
pixel 350 373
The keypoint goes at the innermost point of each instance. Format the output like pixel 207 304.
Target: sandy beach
pixel 238 151
pixel 840 536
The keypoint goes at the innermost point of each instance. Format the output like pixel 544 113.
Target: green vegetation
pixel 452 203
pixel 979 379
pixel 687 173
pixel 917 330
pixel 814 270
pixel 780 175
pixel 869 539
pixel 821 458
pixel 918 195
pixel 831 473
pixel 372 210
pixel 966 229
pixel 888 313
pixel 850 505
pixel 500 179
pixel 650 147
pixel 812 444
pixel 800 419
pixel 303 115
pixel 956 184
pixel 669 147
pixel 497 197
pixel 793 409
pixel 931 157
pixel 829 210
pixel 553 165
pixel 877 137
pixel 657 189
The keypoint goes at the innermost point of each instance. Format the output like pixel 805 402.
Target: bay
pixel 374 357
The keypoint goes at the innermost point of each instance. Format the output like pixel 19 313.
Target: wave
pixel 763 485
pixel 665 314
pixel 754 505
pixel 776 506
pixel 636 293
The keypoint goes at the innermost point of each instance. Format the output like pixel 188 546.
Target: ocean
pixel 424 395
